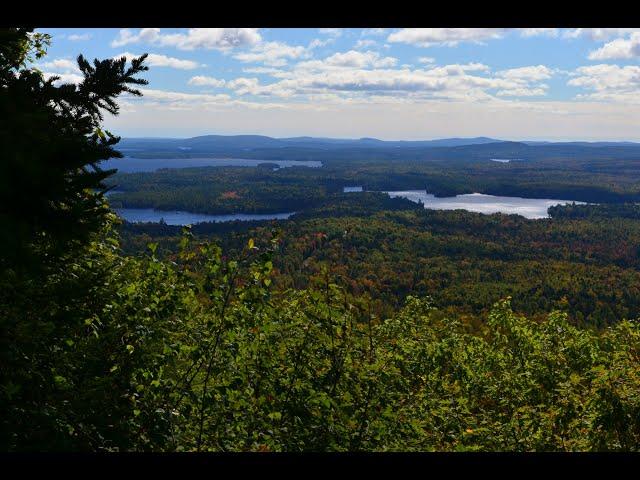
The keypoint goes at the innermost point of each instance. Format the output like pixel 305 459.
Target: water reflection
pixel 176 217
pixel 478 202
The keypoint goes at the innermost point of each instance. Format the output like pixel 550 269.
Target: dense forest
pixel 262 189
pixel 587 268
pixel 364 323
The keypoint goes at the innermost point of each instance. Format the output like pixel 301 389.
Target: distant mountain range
pixel 362 149
pixel 217 142
pixel 587 144
pixel 250 142
pixel 374 142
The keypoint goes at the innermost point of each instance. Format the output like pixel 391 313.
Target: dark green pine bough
pixel 106 352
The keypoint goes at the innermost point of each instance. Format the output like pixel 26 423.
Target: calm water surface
pixel 478 202
pixel 176 217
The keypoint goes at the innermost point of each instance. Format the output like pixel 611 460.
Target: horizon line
pixel 535 139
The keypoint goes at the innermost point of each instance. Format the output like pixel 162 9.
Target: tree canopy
pixel 51 146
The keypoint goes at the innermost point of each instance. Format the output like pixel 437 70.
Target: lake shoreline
pixel 531 208
pixel 179 217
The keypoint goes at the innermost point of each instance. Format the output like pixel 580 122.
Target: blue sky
pixel 555 84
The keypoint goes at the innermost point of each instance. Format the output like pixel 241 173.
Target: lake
pixel 351 189
pixel 478 202
pixel 177 217
pixel 129 164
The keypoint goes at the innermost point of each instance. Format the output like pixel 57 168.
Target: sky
pixel 392 84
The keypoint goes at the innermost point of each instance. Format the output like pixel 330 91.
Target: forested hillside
pixel 311 336
pixel 262 189
pixel 386 249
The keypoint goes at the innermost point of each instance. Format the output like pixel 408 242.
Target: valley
pixel 492 230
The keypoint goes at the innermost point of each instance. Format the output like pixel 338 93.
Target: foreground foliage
pixel 202 354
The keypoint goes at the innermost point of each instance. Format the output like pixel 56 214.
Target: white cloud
pixel 164 101
pixel 332 32
pixel 155 60
pixel 608 83
pixel 522 92
pixel 427 37
pixel 263 70
pixel 205 38
pixel 79 37
pixel 243 86
pixel 458 69
pixel 532 73
pixel 539 32
pixel 64 68
pixel 61 65
pixel 163 96
pixel 356 59
pixel 64 77
pixel 201 80
pixel 348 76
pixel 145 35
pixel 619 48
pixel 274 54
pixel 376 80
pixel 252 86
pixel 316 42
pixel 365 43
pixel 426 59
pixel 599 34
